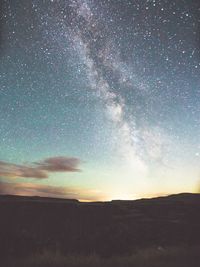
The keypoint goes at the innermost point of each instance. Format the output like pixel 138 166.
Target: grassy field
pixel 40 232
pixel 154 257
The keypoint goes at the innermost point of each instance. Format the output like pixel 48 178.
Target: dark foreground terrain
pixel 49 232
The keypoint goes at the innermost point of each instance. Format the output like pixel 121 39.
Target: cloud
pixel 30 189
pixel 59 164
pixel 39 170
pixel 14 170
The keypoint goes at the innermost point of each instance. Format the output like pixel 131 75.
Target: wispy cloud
pixel 30 189
pixel 41 169
pixel 14 170
pixel 59 164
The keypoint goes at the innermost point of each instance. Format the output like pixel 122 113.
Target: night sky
pixel 99 100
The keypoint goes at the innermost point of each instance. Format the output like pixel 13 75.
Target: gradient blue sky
pixel 113 84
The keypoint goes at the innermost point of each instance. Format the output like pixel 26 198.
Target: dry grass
pixel 153 257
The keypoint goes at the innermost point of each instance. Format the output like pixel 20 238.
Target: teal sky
pixel 99 99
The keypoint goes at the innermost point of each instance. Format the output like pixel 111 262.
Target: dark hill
pixel 31 224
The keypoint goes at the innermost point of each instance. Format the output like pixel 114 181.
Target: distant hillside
pixel 35 198
pixel 33 224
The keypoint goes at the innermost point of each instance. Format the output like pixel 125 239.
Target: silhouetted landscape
pixel 99 105
pixel 162 231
